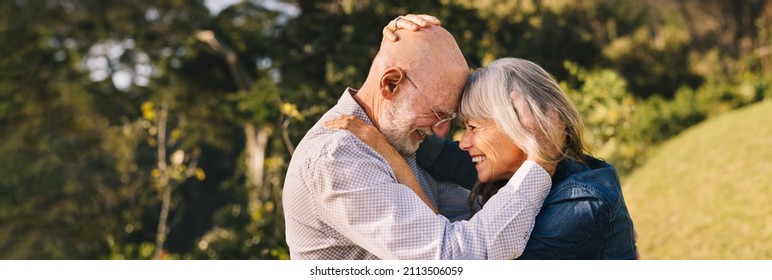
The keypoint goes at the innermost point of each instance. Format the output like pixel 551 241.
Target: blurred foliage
pixel 82 84
pixel 608 108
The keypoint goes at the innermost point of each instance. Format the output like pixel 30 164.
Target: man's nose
pixel 441 130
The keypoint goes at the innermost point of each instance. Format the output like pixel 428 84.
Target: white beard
pixel 397 124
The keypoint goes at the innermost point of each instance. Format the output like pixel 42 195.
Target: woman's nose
pixel 465 144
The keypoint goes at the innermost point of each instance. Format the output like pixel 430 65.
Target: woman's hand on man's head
pixel 410 22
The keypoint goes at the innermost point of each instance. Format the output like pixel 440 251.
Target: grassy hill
pixel 707 193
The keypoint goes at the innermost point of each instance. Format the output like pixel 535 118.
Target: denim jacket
pixel 583 217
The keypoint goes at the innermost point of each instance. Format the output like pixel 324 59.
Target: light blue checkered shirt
pixel 342 201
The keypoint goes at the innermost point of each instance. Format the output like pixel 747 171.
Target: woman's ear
pixel 390 80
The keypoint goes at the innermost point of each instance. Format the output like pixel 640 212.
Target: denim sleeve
pixel 445 161
pixel 568 227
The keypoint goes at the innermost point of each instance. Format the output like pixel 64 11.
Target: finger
pixel 389 31
pixel 336 123
pixel 406 23
pixel 389 34
pixel 416 20
pixel 330 124
pixel 430 19
pixel 424 20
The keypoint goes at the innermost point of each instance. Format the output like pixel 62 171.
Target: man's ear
pixel 390 79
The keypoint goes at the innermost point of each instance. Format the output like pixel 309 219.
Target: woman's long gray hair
pixel 518 95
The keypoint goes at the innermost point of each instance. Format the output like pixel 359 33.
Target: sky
pixel 216 6
pixel 110 51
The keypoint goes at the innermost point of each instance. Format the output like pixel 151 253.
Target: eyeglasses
pixel 423 98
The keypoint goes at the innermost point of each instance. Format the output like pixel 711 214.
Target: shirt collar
pixel 349 105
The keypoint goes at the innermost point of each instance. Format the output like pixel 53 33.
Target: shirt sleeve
pixel 360 198
pixel 453 201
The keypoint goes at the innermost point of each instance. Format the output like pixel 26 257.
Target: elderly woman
pixel 584 216
pixel 510 108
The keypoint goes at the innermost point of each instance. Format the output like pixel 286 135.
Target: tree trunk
pixel 256 145
pixel 256 139
pixel 163 180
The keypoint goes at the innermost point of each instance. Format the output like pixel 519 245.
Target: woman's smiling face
pixel 496 156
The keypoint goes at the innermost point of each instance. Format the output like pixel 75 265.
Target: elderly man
pixel 342 199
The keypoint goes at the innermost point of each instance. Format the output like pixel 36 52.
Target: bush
pixel 621 129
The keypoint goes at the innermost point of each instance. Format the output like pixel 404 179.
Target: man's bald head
pixel 414 84
pixel 429 45
pixel 430 55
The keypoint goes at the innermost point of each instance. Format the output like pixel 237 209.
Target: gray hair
pixel 498 91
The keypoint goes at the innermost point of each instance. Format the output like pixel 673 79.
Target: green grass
pixel 707 193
